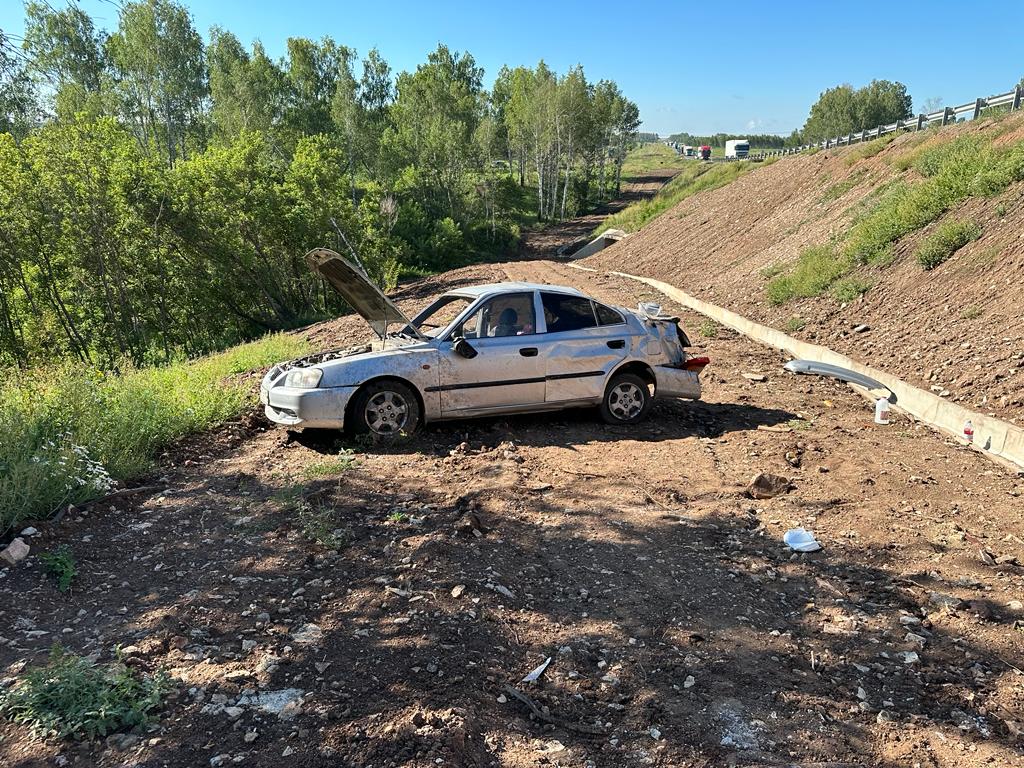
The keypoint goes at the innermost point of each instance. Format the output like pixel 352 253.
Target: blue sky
pixel 699 67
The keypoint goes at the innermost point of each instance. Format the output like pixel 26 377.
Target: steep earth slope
pixel 957 329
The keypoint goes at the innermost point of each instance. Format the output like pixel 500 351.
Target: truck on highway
pixel 736 149
pixel 704 153
pixel 689 151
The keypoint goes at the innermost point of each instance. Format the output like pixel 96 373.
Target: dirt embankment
pixel 371 608
pixel 957 330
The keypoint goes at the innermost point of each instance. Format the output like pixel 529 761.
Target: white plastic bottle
pixel 881 411
pixel 968 431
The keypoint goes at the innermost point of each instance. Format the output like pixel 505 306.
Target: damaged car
pixel 483 350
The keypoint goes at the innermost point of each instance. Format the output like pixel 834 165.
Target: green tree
pixel 16 95
pixel 247 91
pixel 843 110
pixel 434 119
pixel 160 72
pixel 65 50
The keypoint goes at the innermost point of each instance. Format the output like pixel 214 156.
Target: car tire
pixel 385 410
pixel 627 399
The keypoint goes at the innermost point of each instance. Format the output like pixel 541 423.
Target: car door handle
pixel 616 344
pixel 528 351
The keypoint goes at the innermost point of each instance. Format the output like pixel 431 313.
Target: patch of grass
pixel 398 517
pixel 61 565
pixel 812 151
pixel 693 179
pixel 1001 210
pixel 815 271
pixel 971 313
pixel 650 157
pixel 708 329
pixel 69 434
pixel 839 189
pixel 849 289
pixel 795 324
pixel 318 524
pixel 799 425
pixel 947 239
pixel 71 696
pixel 341 463
pixel 868 149
pixel 771 271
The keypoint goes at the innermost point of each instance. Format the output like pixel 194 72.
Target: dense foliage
pixel 157 191
pixel 844 109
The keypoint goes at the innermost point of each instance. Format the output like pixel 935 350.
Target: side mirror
pixel 463 348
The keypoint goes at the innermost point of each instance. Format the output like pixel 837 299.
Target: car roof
pixel 477 291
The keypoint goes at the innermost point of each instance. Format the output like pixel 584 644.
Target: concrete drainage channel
pixel 998 440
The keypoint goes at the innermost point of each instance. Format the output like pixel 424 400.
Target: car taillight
pixel 696 364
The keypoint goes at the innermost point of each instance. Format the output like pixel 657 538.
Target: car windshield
pixel 440 314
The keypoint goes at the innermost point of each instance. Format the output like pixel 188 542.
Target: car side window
pixel 607 315
pixel 567 313
pixel 508 315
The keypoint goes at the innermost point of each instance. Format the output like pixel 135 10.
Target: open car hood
pixel 348 279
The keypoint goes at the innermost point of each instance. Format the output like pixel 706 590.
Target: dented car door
pixel 585 341
pixel 507 372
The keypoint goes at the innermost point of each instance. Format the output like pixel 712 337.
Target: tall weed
pixel 70 434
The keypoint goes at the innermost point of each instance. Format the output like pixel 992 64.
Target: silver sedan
pixel 480 351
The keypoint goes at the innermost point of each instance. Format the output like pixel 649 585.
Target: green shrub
pixel 71 696
pixel 815 271
pixel 947 239
pixel 343 462
pixel 840 188
pixel 971 313
pixel 708 329
pixel 795 324
pixel 695 178
pixel 868 149
pixel 850 288
pixel 69 434
pixel 61 565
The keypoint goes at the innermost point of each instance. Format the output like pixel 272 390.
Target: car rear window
pixel 567 313
pixel 607 315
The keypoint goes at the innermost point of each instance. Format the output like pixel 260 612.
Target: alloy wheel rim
pixel 625 401
pixel 386 413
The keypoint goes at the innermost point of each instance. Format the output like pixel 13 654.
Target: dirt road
pixel 543 243
pixel 390 597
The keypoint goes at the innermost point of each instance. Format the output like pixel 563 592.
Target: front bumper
pixel 321 408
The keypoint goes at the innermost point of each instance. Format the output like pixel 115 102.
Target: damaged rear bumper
pixel 676 382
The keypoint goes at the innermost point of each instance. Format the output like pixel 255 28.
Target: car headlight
pixel 303 378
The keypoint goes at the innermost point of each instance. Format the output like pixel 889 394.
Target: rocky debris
pixel 942 600
pixel 766 486
pixel 14 552
pixel 285 703
pixel 308 634
pixel 757 377
pixel 470 524
pixel 29 532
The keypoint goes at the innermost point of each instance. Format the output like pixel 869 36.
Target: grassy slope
pixel 694 177
pixel 67 435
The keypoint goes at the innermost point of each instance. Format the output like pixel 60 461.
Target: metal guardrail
pixel 946 116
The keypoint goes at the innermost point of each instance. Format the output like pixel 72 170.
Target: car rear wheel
pixel 627 399
pixel 385 409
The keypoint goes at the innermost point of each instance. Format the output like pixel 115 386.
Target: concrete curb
pixel 995 438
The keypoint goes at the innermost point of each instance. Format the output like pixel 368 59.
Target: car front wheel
pixel 385 409
pixel 627 399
